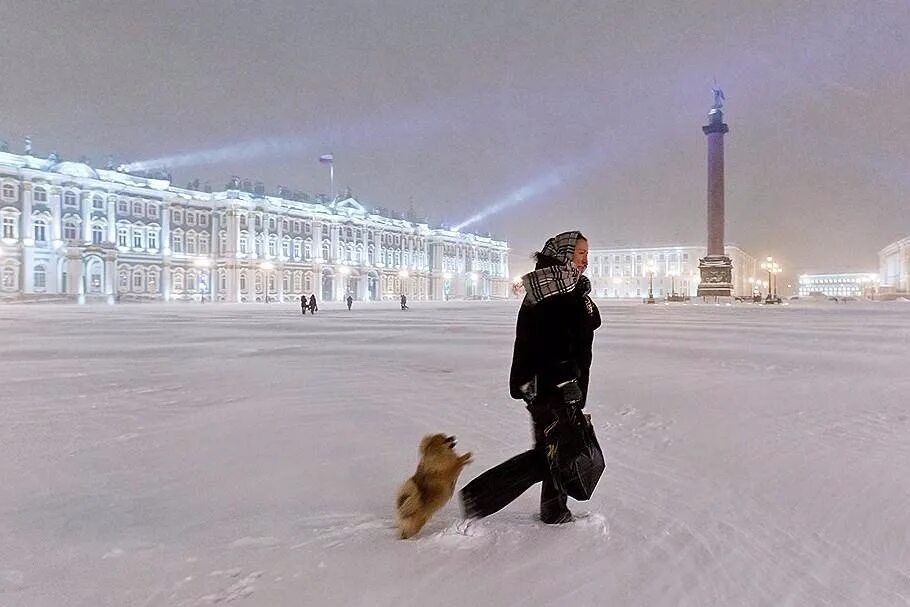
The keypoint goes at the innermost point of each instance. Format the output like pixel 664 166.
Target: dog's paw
pixel 467 458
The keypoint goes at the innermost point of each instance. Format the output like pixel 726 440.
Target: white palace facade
pixel 629 272
pixel 71 231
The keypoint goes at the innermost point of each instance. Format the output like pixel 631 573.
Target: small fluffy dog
pixel 432 485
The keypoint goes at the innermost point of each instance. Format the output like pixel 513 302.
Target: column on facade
pixel 56 200
pixel 26 239
pixel 110 276
pixel 164 245
pixel 215 253
pixel 75 270
pixel 86 199
pixel 231 253
pixel 377 249
pixel 112 220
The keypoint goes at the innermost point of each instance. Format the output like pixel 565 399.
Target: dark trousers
pixel 501 485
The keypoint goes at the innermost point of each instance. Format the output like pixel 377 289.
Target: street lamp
pixel 772 268
pixel 673 274
pixel 651 269
pixel 268 266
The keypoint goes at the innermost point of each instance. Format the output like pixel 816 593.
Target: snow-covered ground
pixel 196 454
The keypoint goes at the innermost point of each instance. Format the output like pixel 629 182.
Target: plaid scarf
pixel 558 279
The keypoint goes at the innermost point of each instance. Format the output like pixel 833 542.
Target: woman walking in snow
pixel 551 365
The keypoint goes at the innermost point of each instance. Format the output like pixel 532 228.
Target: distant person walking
pixel 313 306
pixel 303 305
pixel 404 301
pixel 350 301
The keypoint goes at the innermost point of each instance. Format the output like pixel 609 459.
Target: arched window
pixel 69 199
pixel 178 280
pixel 222 280
pixel 9 226
pixel 40 226
pixel 326 250
pixel 298 281
pixel 8 279
pixel 9 191
pixel 138 280
pixel 204 244
pixel 273 246
pixel 70 230
pixel 152 281
pixel 308 282
pixel 258 281
pixel 243 281
pixel 286 247
pixel 40 194
pixel 97 234
pixel 191 243
pixel 97 203
pixel 307 250
pixel 40 277
pixel 190 281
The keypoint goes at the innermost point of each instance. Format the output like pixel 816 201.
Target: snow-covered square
pixel 156 455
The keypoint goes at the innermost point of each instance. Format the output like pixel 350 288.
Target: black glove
pixel 570 392
pixel 529 391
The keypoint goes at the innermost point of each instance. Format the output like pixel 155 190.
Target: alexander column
pixel 716 268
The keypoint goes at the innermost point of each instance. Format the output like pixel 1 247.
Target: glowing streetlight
pixel 673 274
pixel 268 266
pixel 651 268
pixel 772 268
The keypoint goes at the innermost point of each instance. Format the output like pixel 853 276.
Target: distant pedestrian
pixel 313 306
pixel 350 301
pixel 303 305
pixel 404 301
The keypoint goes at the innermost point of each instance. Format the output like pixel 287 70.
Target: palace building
pixel 71 231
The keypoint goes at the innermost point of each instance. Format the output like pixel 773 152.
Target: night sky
pixel 588 111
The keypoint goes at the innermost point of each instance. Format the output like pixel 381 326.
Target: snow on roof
pixel 74 169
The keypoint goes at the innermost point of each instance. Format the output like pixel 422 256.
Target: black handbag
pixel 574 456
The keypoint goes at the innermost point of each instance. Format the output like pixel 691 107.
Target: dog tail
pixel 409 502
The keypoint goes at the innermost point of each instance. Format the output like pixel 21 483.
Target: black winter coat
pixel 553 340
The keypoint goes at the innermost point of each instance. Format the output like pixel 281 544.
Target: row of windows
pixel 39 194
pixel 9 278
pixel 41 230
pixel 192 217
pixel 142 238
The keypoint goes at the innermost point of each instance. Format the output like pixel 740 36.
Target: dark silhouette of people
pixel 303 305
pixel 404 301
pixel 313 306
pixel 350 301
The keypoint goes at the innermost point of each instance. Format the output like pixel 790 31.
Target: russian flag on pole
pixel 327 159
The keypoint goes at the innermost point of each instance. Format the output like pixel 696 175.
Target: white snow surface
pixel 206 454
